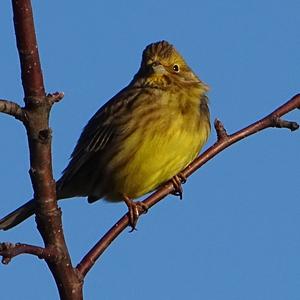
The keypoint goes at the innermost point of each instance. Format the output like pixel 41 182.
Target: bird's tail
pixel 18 215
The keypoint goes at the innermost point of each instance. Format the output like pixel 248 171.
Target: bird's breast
pixel 160 139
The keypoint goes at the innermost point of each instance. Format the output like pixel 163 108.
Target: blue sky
pixel 236 233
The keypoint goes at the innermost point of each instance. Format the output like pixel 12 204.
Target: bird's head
pixel 162 66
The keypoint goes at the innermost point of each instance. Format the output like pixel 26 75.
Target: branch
pixel 55 97
pixel 9 250
pixel 15 110
pixel 37 110
pixel 31 72
pixel 223 141
pixel 12 109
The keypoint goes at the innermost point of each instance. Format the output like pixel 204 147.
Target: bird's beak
pixel 158 68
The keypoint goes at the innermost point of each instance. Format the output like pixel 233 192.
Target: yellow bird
pixel 139 139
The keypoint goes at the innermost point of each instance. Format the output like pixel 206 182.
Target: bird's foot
pixel 135 209
pixel 177 181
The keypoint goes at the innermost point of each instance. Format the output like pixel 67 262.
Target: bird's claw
pixel 135 209
pixel 177 181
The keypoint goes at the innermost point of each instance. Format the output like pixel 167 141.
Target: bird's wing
pixel 100 130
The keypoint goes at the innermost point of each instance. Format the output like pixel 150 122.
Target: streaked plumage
pixel 142 137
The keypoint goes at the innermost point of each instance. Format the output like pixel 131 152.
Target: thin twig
pixel 9 250
pixel 12 109
pixel 55 97
pixel 224 141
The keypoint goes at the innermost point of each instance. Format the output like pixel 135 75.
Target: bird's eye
pixel 176 68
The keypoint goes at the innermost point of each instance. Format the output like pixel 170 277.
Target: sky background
pixel 236 233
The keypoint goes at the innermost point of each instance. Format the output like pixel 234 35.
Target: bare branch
pixel 279 123
pixel 12 109
pixel 55 97
pixel 37 109
pixel 224 140
pixel 9 251
pixel 220 130
pixel 31 72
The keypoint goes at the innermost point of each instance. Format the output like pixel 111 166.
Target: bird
pixel 141 138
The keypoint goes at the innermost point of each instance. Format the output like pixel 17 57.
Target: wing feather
pixel 99 132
